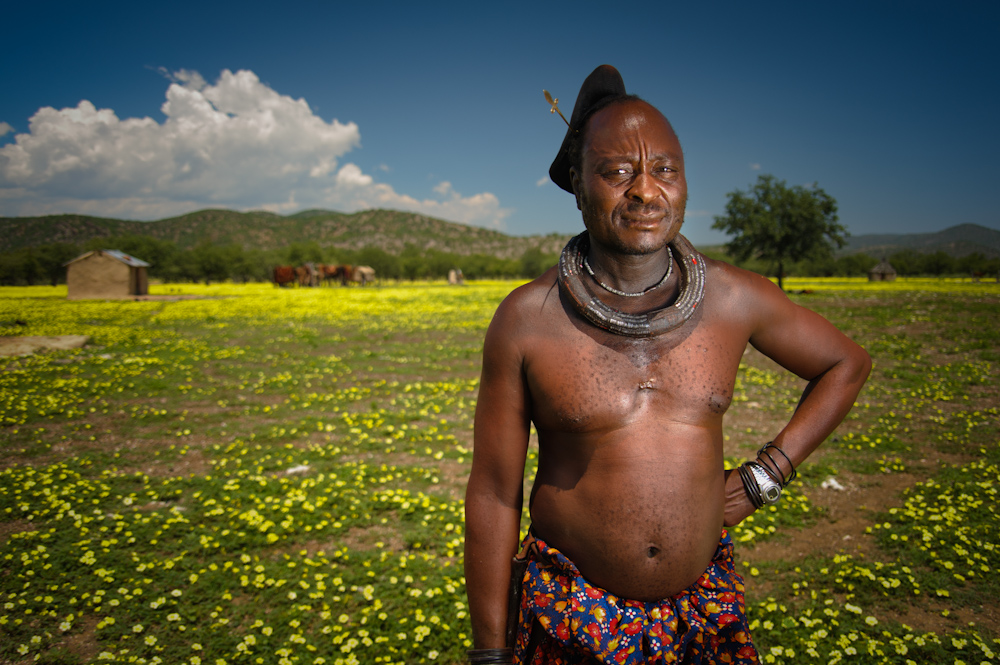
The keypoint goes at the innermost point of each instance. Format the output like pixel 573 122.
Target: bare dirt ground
pixel 841 530
pixel 25 346
pixel 846 514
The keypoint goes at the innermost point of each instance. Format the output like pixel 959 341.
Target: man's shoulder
pixel 528 302
pixel 733 293
pixel 532 295
pixel 527 311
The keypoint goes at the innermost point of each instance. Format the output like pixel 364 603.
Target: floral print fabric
pixel 584 624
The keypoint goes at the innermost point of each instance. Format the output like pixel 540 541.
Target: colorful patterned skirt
pixel 565 619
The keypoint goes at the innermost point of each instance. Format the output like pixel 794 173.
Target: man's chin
pixel 642 243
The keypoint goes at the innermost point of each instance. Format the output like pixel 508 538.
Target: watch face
pixel 772 493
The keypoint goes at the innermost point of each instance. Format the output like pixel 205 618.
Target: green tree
pixel 978 265
pixel 412 263
pixel 907 262
pixel 938 263
pixel 855 265
pixel 31 267
pixel 534 262
pixel 781 224
pixel 304 252
pixel 386 265
pixel 211 262
pixel 54 257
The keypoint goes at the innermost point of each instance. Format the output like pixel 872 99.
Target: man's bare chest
pixel 585 383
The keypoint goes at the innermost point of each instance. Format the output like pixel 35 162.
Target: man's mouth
pixel 644 215
pixel 634 209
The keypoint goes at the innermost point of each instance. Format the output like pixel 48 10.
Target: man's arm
pixel 805 343
pixel 495 491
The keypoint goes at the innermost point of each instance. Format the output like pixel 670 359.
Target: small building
pixel 106 274
pixel 883 272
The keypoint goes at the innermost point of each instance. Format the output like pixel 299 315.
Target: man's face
pixel 630 186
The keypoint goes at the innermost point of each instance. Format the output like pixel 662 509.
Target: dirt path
pixel 25 346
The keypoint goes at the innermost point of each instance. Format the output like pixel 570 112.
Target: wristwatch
pixel 770 491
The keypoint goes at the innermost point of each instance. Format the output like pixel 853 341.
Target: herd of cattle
pixel 317 274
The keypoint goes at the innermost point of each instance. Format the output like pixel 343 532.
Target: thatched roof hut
pixel 106 274
pixel 883 272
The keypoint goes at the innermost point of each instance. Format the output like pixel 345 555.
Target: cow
pixel 284 275
pixel 332 272
pixel 307 275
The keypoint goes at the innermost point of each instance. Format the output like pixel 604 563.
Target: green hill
pixel 389 230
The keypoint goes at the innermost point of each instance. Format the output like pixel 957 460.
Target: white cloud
pixel 5 128
pixel 190 79
pixel 544 180
pixel 236 143
pixel 754 166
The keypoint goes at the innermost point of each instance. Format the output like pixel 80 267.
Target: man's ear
pixel 574 179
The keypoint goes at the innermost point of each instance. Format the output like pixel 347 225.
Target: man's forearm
pixel 825 403
pixel 492 529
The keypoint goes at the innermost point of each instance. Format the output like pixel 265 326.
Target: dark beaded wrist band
pixel 777 469
pixel 491 656
pixel 769 468
pixel 750 485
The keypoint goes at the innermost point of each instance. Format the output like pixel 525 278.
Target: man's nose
pixel 643 188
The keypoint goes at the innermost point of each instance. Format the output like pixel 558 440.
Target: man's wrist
pixel 761 489
pixel 491 656
pixel 772 466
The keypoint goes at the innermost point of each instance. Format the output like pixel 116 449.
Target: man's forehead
pixel 628 118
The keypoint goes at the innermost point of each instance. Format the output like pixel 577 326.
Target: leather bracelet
pixel 775 472
pixel 491 656
pixel 770 445
pixel 750 486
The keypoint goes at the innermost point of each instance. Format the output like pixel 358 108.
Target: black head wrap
pixel 603 85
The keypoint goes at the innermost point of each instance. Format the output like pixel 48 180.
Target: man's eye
pixel 621 172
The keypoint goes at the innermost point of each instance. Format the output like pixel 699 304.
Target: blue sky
pixel 891 107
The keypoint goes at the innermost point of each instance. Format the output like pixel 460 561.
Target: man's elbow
pixel 488 491
pixel 857 366
pixel 865 364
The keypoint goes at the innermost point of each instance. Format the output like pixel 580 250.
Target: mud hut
pixel 106 274
pixel 883 272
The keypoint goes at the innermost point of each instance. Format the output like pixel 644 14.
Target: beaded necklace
pixel 611 289
pixel 665 319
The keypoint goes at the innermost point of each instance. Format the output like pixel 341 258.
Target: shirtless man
pixel 631 495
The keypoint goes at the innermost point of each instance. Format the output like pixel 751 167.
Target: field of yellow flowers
pixel 262 475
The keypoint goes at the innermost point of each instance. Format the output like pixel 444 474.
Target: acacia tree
pixel 781 224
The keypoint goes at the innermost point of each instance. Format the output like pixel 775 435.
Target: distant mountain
pixel 958 240
pixel 389 230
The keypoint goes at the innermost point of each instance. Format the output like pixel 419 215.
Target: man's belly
pixel 638 511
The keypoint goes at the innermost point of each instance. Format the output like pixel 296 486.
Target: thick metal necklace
pixel 611 289
pixel 651 324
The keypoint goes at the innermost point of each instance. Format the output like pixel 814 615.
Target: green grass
pixel 274 476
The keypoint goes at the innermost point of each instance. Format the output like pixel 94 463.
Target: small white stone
pixel 832 484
